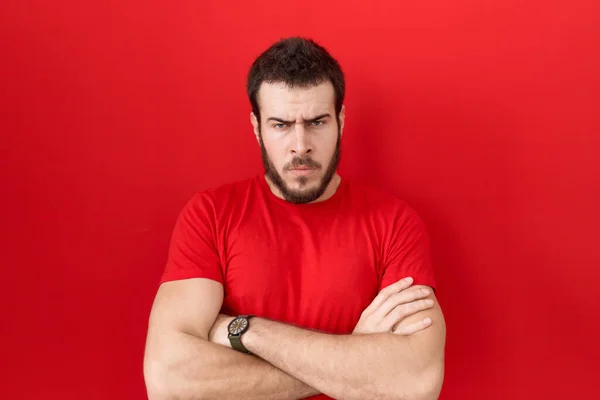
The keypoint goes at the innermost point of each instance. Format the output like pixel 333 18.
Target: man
pixel 297 283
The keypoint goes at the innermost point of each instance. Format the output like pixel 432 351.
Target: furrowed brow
pixel 283 121
pixel 318 117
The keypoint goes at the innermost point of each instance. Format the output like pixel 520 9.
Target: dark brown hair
pixel 297 62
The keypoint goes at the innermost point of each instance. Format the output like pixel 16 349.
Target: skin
pixel 396 349
pixel 188 355
pixel 298 129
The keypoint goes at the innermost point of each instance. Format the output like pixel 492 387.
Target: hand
pixel 391 306
pixel 218 333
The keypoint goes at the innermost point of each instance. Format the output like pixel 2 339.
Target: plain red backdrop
pixel 484 115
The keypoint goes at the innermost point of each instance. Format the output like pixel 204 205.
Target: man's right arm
pixel 180 362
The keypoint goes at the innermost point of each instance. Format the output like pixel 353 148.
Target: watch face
pixel 238 326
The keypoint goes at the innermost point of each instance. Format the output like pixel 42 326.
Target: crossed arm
pixel 181 363
pixel 377 361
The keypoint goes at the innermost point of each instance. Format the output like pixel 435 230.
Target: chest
pixel 319 276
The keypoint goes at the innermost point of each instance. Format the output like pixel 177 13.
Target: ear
pixel 342 116
pixel 254 123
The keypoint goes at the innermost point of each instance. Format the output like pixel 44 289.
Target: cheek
pixel 328 145
pixel 275 153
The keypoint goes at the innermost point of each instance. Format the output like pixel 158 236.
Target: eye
pixel 318 123
pixel 279 126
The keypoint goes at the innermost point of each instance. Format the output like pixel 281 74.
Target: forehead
pixel 278 99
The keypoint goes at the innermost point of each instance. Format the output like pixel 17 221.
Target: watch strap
pixel 236 344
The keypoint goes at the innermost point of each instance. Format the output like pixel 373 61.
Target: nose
pixel 302 145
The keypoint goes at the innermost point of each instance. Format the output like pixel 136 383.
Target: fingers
pixel 404 310
pixel 385 293
pixel 414 327
pixel 403 297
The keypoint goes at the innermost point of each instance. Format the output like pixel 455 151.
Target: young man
pixel 297 283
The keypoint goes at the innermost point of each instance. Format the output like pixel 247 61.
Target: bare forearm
pixel 341 366
pixel 198 369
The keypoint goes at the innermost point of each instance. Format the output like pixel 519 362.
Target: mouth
pixel 302 171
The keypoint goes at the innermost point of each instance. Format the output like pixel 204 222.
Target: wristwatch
pixel 236 329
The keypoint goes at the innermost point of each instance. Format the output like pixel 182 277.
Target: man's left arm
pixel 366 366
pixel 359 366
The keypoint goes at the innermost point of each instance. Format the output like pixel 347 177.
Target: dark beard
pixel 304 196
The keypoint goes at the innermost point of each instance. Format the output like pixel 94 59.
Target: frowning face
pixel 300 138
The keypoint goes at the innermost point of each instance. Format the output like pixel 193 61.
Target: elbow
pixel 157 381
pixel 163 384
pixel 429 384
pixel 425 385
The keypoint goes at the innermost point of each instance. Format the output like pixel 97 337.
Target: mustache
pixel 302 162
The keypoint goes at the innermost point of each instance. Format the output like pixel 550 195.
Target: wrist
pixel 236 331
pixel 218 333
pixel 252 336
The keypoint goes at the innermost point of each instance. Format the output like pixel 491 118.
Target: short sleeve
pixel 193 251
pixel 408 251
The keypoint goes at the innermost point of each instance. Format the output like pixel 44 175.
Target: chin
pixel 303 183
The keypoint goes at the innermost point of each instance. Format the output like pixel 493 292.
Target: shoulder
pixel 221 197
pixel 374 198
pixel 382 205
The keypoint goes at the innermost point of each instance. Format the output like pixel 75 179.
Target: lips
pixel 302 171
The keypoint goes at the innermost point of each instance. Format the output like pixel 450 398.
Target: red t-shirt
pixel 316 266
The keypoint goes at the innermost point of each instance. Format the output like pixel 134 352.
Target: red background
pixel 484 115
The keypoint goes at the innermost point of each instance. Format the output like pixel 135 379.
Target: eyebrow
pixel 318 117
